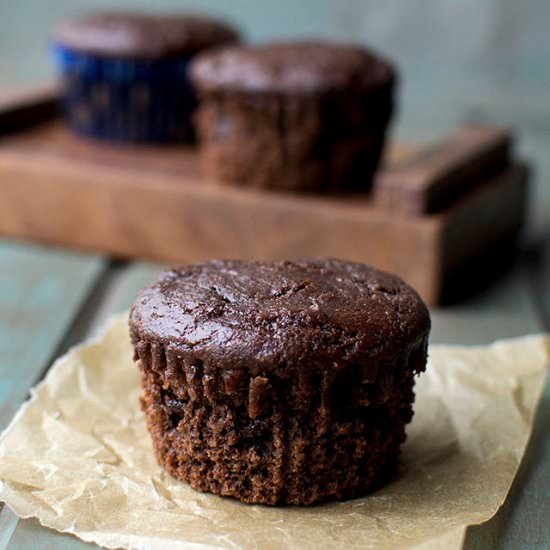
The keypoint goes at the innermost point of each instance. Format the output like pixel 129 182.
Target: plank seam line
pixel 83 318
pixel 76 329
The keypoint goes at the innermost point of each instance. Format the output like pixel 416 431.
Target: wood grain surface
pixel 445 171
pixel 147 202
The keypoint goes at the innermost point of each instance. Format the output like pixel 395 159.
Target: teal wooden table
pixel 51 299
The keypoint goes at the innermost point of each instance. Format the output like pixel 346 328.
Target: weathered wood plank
pixel 126 281
pixel 30 534
pixel 8 523
pixel 41 291
pixel 504 310
pixel 121 286
pixel 509 308
pixel 524 520
pixel 541 281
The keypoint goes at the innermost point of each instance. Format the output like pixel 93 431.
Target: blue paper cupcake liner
pixel 127 100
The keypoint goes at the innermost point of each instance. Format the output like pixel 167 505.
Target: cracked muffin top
pixel 302 66
pixel 280 315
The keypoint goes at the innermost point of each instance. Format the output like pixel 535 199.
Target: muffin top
pixel 308 66
pixel 270 315
pixel 143 36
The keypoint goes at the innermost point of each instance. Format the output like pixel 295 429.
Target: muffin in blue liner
pixel 125 75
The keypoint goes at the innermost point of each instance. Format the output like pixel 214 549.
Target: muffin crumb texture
pixel 279 382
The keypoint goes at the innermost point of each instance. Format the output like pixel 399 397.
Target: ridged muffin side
pixel 278 429
pixel 253 438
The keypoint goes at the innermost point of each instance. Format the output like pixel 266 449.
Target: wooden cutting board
pixel 151 202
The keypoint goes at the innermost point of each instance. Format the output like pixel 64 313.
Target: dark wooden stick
pixel 435 177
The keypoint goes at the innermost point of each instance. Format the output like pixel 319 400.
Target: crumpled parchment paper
pixel 78 457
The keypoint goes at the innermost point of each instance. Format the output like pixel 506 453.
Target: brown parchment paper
pixel 78 457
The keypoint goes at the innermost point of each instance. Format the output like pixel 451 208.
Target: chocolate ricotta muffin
pixel 125 74
pixel 279 382
pixel 307 116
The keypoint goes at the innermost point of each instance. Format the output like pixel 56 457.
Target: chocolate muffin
pixel 125 74
pixel 304 116
pixel 279 382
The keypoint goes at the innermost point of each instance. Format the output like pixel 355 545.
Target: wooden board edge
pixel 129 217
